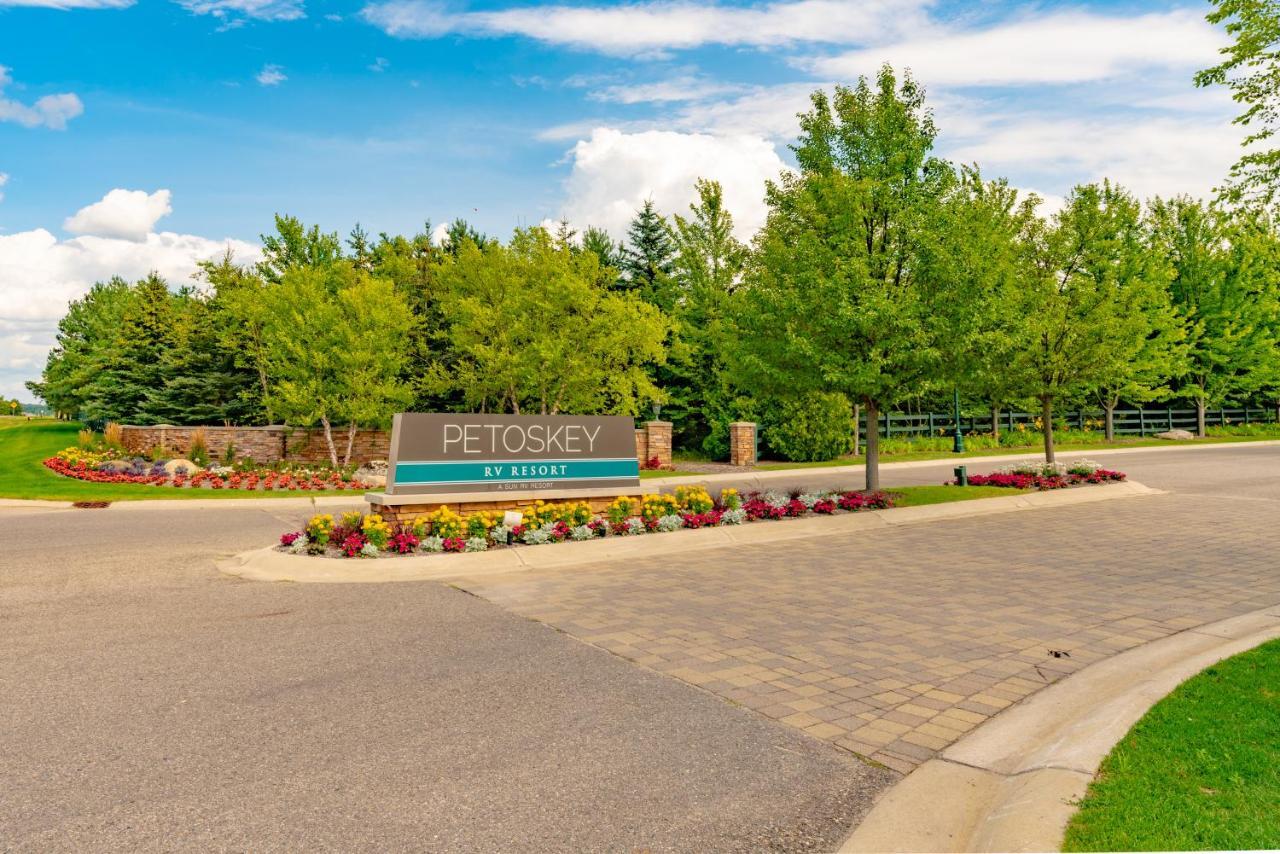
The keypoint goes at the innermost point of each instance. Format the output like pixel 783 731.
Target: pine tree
pixel 361 255
pixel 608 254
pixel 132 368
pixel 649 258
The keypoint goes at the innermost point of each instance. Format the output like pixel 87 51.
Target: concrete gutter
pixel 269 564
pixel 1014 783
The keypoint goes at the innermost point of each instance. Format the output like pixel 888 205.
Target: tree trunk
pixel 1046 421
pixel 351 441
pixel 266 406
pixel 857 428
pixel 328 440
pixel 995 423
pixel 873 445
pixel 1109 424
pixel 1200 417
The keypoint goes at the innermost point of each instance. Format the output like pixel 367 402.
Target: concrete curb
pixel 268 564
pixel 763 479
pixel 1013 783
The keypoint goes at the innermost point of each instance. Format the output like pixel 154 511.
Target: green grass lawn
pixel 1201 771
pixel 24 445
pixel 915 496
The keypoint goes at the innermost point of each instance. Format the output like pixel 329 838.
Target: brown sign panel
pixel 445 453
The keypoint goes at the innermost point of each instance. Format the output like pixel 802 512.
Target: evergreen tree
pixel 358 242
pixel 707 268
pixel 647 261
pixel 608 254
pixel 132 369
pixel 460 233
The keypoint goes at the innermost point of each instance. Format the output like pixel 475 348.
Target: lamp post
pixel 957 445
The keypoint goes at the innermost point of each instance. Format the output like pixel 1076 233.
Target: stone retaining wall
pixel 265 445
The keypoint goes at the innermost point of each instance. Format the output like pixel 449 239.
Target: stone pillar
pixel 742 443
pixel 642 446
pixel 659 442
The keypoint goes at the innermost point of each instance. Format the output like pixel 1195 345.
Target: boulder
pixel 377 467
pixel 188 467
pixel 115 466
pixel 371 476
pixel 1176 434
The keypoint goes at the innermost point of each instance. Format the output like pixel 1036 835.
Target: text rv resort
pixel 435 452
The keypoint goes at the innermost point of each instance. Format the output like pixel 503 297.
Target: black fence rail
pixel 1127 422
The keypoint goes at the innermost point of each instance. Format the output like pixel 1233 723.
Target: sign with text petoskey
pixel 435 453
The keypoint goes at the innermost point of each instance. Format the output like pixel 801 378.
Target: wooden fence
pixel 1128 422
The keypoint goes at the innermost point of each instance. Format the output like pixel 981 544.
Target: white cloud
pixel 683 88
pixel 1064 47
pixel 380 64
pixel 238 10
pixel 124 214
pixel 271 75
pixel 52 111
pixel 40 274
pixel 1164 156
pixel 69 4
pixel 614 172
pixel 657 27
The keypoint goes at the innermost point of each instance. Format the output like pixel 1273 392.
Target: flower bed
pixel 94 466
pixel 444 530
pixel 1045 476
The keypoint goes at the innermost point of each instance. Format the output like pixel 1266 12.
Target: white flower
pixel 299 546
pixel 432 544
pixel 808 499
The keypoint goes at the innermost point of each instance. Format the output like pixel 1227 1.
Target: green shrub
pixel 811 428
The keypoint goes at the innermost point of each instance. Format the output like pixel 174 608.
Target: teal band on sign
pixel 512 471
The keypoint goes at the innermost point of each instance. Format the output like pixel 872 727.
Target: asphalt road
pixel 150 702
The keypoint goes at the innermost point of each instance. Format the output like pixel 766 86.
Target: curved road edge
pixel 1014 783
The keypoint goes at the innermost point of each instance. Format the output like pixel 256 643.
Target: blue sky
pixel 144 135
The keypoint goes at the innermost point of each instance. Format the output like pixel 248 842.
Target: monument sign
pixel 439 453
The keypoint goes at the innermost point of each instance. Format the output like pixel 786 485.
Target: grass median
pixel 1200 771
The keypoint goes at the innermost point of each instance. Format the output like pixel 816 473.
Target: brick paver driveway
pixel 893 644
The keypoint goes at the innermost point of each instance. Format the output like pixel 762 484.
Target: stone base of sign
pixel 402 508
pixel 742 443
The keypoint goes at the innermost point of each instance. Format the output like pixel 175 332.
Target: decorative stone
pixel 1176 434
pixel 171 467
pixel 115 466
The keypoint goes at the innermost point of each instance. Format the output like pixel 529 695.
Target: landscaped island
pixel 445 530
